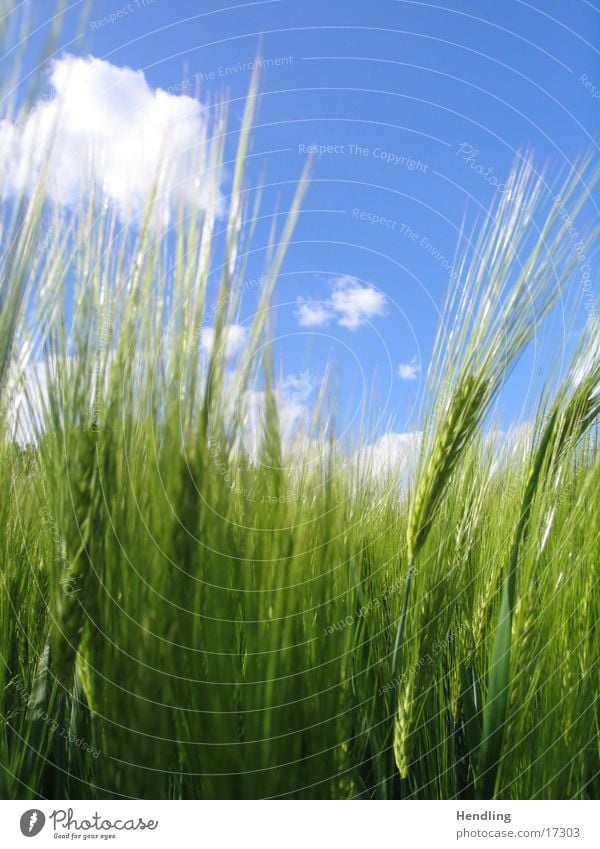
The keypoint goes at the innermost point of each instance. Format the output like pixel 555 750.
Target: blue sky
pixel 401 100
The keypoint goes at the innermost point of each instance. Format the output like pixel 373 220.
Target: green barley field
pixel 188 613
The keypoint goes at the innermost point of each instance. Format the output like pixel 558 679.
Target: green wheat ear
pixel 503 300
pixel 462 419
pixel 464 413
pixel 573 412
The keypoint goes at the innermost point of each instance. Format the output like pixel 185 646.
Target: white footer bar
pixel 301 824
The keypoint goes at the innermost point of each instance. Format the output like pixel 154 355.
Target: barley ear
pixel 573 412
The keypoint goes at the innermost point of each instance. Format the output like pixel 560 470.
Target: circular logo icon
pixel 32 822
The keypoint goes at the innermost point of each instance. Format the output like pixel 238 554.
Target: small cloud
pixel 234 337
pixel 313 314
pixel 351 303
pixel 356 303
pixel 297 387
pixel 409 371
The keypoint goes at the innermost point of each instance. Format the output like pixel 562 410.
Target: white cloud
pixel 391 453
pixel 28 397
pixel 516 439
pixel 297 386
pixel 313 314
pixel 292 395
pixel 356 303
pixel 234 337
pixel 105 127
pixel 351 304
pixel 409 371
pixel 589 357
pixel 511 446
